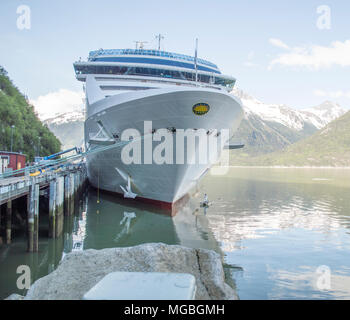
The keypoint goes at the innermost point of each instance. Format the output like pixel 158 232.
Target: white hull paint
pixel 166 108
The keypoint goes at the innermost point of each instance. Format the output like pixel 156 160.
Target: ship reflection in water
pixel 112 222
pixel 280 232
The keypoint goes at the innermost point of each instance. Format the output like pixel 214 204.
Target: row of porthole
pixel 170 129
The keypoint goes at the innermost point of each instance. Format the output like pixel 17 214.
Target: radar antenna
pixel 140 44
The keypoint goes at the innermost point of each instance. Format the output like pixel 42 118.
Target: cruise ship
pixel 128 88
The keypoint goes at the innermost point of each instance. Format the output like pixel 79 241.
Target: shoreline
pixel 79 271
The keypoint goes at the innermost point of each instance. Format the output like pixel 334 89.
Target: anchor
pixel 127 190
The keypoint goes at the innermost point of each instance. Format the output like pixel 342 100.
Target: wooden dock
pixel 62 186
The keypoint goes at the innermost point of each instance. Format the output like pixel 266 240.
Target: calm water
pixel 274 228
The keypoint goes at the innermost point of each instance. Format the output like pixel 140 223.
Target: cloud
pixel 314 57
pixel 332 94
pixel 58 102
pixel 278 43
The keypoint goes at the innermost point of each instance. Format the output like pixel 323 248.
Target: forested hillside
pixel 328 147
pixel 30 136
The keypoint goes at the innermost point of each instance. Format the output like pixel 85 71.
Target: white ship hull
pixel 167 108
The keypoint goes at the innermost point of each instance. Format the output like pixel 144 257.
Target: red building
pixel 11 160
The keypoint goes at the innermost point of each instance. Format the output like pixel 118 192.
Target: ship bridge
pixel 152 66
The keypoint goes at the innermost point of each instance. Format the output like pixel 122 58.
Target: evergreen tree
pixel 29 135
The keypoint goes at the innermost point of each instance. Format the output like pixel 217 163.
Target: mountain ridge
pixel 328 147
pixel 319 115
pixel 267 128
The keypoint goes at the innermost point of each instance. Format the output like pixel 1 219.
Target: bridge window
pixel 152 72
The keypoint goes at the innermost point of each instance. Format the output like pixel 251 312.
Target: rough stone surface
pixel 80 271
pixel 14 296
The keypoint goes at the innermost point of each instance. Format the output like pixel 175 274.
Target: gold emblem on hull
pixel 200 109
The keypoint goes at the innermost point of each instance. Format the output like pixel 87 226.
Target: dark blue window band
pixel 154 61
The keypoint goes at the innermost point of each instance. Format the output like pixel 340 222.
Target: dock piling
pixel 52 209
pixel 8 221
pixel 0 229
pixel 78 182
pixel 71 192
pixel 60 194
pixel 33 217
pixel 66 195
pixel 36 218
pixel 64 191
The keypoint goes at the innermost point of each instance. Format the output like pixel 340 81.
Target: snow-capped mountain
pixel 323 114
pixel 68 128
pixel 318 116
pixel 66 118
pixel 271 127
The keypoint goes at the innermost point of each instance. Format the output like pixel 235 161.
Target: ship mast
pixel 160 37
pixel 195 60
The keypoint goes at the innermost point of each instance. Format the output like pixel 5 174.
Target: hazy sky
pixel 279 51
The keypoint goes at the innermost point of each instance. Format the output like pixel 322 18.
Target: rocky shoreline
pixel 80 271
